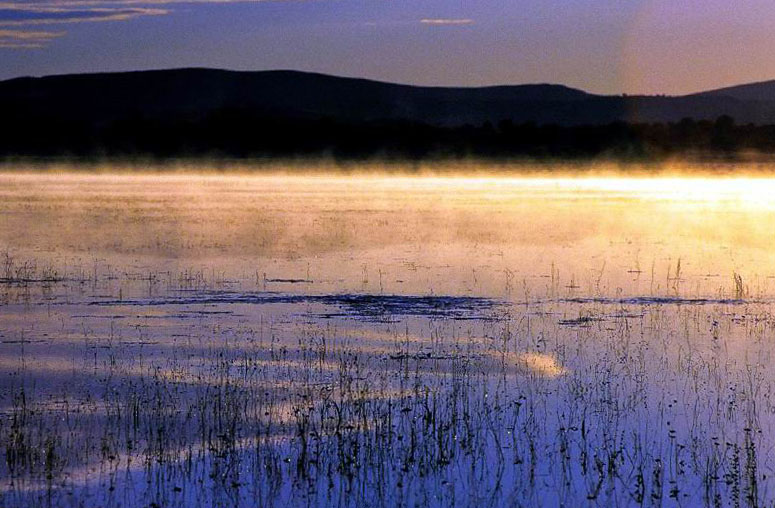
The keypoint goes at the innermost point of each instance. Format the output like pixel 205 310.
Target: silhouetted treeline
pixel 240 133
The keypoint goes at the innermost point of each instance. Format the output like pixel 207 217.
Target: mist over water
pixel 453 235
pixel 429 340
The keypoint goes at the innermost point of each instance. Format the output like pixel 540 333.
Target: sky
pixel 602 46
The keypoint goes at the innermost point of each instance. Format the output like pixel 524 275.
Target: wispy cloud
pixel 25 39
pixel 69 4
pixel 28 13
pixel 37 15
pixel 446 21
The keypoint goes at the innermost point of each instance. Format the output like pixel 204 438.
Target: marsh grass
pixel 426 411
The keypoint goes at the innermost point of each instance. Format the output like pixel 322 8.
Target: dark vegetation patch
pixel 660 300
pixel 580 321
pixel 358 306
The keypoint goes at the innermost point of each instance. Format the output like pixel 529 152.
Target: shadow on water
pixel 367 307
pixel 661 300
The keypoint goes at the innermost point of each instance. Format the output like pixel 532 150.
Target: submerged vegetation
pixel 330 342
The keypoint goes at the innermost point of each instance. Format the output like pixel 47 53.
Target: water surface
pixel 222 339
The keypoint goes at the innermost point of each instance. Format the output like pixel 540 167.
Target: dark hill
pixel 763 91
pixel 197 92
pixel 101 97
pixel 207 111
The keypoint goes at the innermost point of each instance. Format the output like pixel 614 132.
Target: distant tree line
pixel 239 133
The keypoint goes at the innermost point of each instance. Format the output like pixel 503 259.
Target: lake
pixel 174 339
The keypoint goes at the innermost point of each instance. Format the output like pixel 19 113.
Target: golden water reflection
pixel 495 236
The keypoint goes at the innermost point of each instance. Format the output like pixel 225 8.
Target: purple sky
pixel 605 46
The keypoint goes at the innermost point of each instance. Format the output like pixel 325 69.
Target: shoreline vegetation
pixel 255 140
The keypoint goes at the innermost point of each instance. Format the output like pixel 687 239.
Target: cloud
pixel 70 4
pixel 447 21
pixel 44 15
pixel 19 13
pixel 24 13
pixel 25 39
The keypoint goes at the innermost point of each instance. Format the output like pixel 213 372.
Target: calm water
pixel 242 340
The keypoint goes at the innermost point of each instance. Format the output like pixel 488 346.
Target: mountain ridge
pixel 758 91
pixel 198 91
pixel 730 90
pixel 216 70
pixel 216 111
